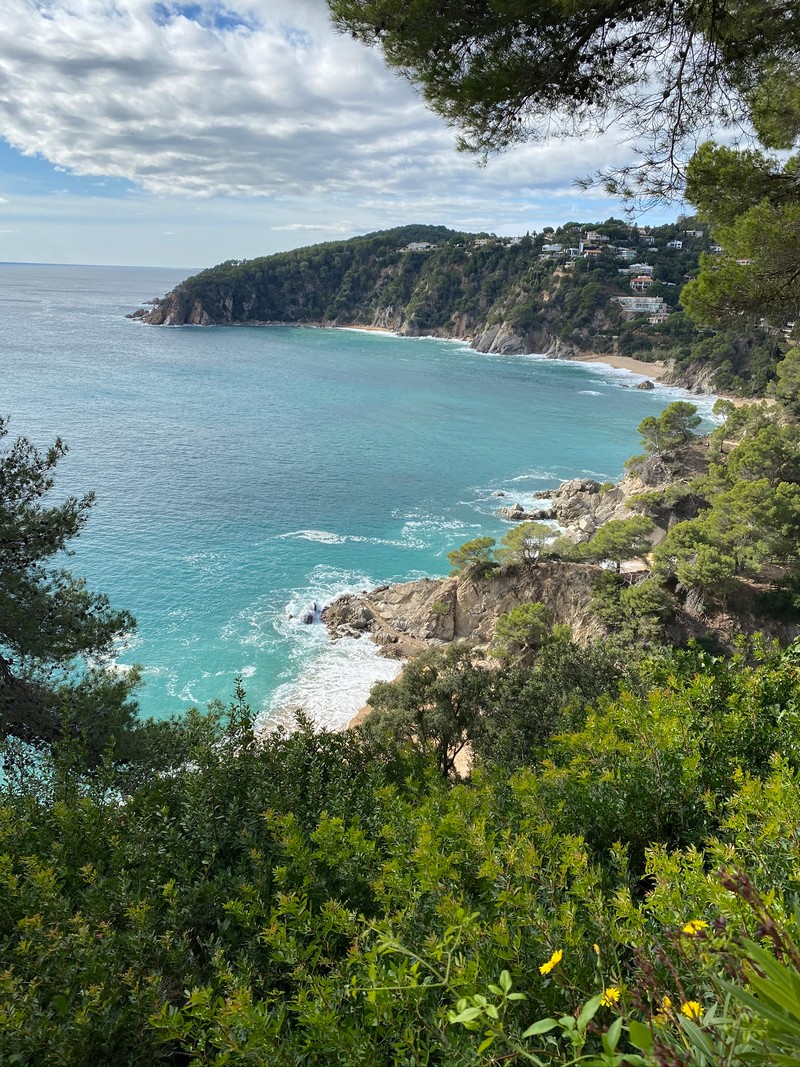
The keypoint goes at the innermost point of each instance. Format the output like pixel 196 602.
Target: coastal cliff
pixel 405 618
pixel 549 293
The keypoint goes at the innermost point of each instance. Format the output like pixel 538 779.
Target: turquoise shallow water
pixel 243 474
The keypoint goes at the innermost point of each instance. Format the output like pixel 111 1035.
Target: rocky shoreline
pixel 406 618
pixel 178 308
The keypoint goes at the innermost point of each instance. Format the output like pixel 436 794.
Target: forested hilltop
pixel 582 288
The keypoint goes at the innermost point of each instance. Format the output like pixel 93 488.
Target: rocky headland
pixel 501 296
pixel 407 617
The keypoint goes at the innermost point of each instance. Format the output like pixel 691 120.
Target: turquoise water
pixel 244 474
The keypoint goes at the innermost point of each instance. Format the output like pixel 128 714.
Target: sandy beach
pixel 367 329
pixel 655 370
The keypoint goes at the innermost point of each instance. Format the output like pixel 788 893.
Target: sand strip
pixel 655 370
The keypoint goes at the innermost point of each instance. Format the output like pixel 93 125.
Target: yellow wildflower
pixel 554 960
pixel 691 1009
pixel 596 949
pixel 610 996
pixel 666 1003
pixel 694 926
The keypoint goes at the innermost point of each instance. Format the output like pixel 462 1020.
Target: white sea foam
pixel 335 683
pixel 539 474
pixel 427 533
pixel 324 537
pixel 410 535
pixel 589 392
pixel 329 680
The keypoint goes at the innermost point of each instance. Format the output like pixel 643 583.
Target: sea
pixel 246 476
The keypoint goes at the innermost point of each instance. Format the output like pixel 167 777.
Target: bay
pixel 244 475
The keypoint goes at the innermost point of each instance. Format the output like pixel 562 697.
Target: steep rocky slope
pixel 404 618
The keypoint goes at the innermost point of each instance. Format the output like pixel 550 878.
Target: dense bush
pixel 322 898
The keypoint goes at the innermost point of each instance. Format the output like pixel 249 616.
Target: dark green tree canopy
pixel 753 203
pixel 671 429
pixel 665 69
pixel 49 620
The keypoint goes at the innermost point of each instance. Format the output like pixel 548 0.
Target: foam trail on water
pixel 335 683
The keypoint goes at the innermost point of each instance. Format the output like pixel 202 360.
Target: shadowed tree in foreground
pixel 54 632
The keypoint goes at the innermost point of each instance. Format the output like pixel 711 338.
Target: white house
pixel 640 284
pixel 674 244
pixel 652 305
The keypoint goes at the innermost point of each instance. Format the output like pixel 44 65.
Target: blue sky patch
pixel 209 16
pixel 34 175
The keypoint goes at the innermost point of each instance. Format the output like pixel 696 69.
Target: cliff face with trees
pixel 504 296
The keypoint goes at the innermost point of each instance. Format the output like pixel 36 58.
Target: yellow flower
pixel 596 949
pixel 694 926
pixel 666 1003
pixel 554 960
pixel 610 996
pixel 691 1009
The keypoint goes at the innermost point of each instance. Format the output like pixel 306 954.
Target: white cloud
pixel 249 128
pixel 329 229
pixel 278 106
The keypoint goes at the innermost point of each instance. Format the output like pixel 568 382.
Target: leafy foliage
pixel 518 72
pixel 475 557
pixel 52 627
pixel 622 539
pixel 325 898
pixel 524 543
pixel 435 705
pixel 525 629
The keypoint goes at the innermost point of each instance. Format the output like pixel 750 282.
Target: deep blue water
pixel 244 473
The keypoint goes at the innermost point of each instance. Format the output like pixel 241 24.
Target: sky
pixel 158 133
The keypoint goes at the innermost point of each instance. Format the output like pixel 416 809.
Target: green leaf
pixel 505 981
pixel 700 1041
pixel 467 1015
pixel 612 1036
pixel 640 1035
pixel 543 1026
pixel 589 1011
pixel 486 1043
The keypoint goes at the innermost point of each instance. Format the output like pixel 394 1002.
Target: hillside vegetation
pixel 615 878
pixel 555 292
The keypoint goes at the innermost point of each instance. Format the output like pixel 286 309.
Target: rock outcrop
pixel 517 513
pixel 581 505
pixel 406 618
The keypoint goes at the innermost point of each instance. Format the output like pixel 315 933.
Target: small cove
pixel 244 474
